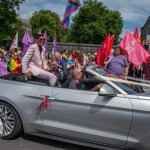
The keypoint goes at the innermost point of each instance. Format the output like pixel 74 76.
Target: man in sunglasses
pixel 34 62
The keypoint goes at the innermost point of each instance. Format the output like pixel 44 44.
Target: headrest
pixel 62 76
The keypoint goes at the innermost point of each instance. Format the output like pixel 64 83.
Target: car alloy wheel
pixel 7 119
pixel 10 121
pixel 1 128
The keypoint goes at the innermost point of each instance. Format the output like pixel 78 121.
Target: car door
pixel 84 115
pixel 23 97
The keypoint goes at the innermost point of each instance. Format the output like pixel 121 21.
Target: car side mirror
pixel 106 90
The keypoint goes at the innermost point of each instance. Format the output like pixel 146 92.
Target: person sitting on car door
pixel 77 84
pixel 34 62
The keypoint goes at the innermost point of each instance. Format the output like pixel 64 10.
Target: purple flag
pixel 3 68
pixel 32 39
pixel 29 40
pixel 45 41
pixel 24 40
pixel 54 49
pixel 25 43
pixel 40 32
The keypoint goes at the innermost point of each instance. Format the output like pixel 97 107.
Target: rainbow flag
pixel 71 7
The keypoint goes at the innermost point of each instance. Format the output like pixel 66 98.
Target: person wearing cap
pixel 35 63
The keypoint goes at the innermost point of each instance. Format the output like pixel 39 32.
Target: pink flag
pixel 136 53
pixel 103 51
pixel 54 49
pixel 136 33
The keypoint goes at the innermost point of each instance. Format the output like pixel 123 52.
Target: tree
pixel 93 22
pixel 8 16
pixel 46 21
pixel 17 26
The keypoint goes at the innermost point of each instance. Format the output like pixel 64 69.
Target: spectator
pixel 2 58
pixel 117 64
pixel 64 55
pixel 60 61
pixel 15 64
pixel 147 70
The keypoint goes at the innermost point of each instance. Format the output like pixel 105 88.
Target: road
pixel 28 142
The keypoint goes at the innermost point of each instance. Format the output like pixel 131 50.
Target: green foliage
pixel 18 27
pixel 46 20
pixel 8 16
pixel 93 22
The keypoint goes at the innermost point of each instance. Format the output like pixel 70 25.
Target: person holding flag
pixel 118 64
pixel 14 66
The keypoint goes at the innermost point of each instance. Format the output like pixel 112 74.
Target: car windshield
pixel 130 85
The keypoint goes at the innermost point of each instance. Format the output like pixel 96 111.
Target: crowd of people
pixel 46 65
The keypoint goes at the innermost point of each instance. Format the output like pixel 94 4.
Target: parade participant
pixel 60 61
pixel 92 60
pixel 117 64
pixel 77 84
pixel 34 62
pixel 2 58
pixel 147 70
pixel 77 80
pixel 14 64
pixel 64 55
pixel 71 64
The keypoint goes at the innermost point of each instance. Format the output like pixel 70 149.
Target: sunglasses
pixel 15 55
pixel 41 39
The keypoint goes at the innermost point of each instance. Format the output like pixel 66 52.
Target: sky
pixel 133 12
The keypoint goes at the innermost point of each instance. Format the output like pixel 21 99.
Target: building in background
pixel 145 33
pixel 26 25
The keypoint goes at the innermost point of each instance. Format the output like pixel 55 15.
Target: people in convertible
pixel 77 84
pixel 34 62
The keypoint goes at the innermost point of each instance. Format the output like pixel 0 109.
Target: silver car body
pixel 82 117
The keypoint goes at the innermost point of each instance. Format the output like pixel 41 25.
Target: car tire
pixel 12 126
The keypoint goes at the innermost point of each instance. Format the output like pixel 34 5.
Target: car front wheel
pixel 10 123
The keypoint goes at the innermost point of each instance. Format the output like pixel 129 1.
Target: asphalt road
pixel 28 142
